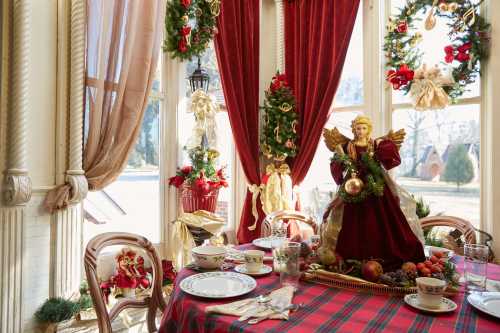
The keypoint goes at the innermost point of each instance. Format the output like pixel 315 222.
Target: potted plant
pixel 56 313
pixel 200 182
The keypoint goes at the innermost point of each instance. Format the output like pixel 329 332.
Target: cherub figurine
pixel 365 219
pixel 205 111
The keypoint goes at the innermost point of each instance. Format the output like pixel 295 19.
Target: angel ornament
pixel 204 110
pixel 371 217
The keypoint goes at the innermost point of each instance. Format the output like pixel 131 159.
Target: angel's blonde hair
pixel 362 120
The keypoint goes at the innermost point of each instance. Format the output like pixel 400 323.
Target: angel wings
pixel 333 138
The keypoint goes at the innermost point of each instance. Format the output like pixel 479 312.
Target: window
pixel 438 140
pixel 318 187
pixel 225 144
pixel 132 202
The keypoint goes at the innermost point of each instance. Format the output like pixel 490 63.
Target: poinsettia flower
pixel 465 47
pixel 182 47
pixel 449 58
pixel 185 30
pixel 186 3
pixel 402 27
pixel 406 72
pixel 462 57
pixel 176 181
pixel 449 49
pixel 187 169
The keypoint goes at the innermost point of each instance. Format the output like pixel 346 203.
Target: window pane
pixel 350 90
pixel 318 187
pixel 432 47
pixel 225 144
pixel 132 202
pixel 438 144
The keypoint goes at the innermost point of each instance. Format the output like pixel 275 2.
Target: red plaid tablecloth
pixel 327 310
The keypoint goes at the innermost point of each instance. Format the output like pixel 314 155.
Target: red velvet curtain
pixel 317 35
pixel 237 49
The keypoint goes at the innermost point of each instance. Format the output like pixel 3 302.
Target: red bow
pixel 400 77
pixel 460 53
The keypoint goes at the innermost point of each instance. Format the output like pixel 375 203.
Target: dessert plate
pixel 264 269
pixel 488 302
pixel 268 242
pixel 447 305
pixel 429 250
pixel 218 284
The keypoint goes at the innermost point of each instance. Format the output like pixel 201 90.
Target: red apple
pixel 371 270
pixel 420 266
pixel 428 263
pixel 434 259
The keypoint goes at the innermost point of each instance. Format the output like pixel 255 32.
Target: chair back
pixel 265 230
pixel 464 226
pixel 153 302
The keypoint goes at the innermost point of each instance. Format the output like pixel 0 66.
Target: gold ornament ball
pixel 185 19
pixel 443 7
pixel 353 186
pixel 452 6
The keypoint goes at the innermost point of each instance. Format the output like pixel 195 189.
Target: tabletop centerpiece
pixel 371 238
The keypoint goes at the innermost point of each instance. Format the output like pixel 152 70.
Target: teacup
pixel 430 291
pixel 209 257
pixel 253 260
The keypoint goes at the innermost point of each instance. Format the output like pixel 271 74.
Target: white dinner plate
pixel 446 305
pixel 488 302
pixel 218 284
pixel 448 254
pixel 264 269
pixel 268 242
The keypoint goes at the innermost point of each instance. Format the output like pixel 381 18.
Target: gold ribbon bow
pixel 255 190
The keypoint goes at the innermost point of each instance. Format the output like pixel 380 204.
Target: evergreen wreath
pixel 280 120
pixel 469 36
pixel 374 180
pixel 184 41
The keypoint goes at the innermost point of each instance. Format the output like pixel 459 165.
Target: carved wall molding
pixel 11 266
pixel 79 186
pixel 67 253
pixel 18 183
pixel 75 174
pixel 280 37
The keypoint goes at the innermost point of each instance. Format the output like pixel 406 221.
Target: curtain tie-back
pixel 255 190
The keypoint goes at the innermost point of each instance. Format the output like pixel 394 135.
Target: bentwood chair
pixel 153 302
pixel 284 215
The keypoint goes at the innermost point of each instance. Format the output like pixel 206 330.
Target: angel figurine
pixel 370 217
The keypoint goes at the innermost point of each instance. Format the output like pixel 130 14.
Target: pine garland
pixel 184 41
pixel 279 132
pixel 469 31
pixel 374 180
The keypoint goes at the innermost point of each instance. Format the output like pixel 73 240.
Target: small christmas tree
pixel 459 168
pixel 280 120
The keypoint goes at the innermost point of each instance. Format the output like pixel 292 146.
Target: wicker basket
pixel 341 281
pixel 193 200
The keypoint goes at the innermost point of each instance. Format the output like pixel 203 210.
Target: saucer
pixel 263 270
pixel 446 304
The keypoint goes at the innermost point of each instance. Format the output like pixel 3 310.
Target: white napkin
pixel 250 307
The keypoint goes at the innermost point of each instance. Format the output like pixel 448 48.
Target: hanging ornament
pixel 452 7
pixel 214 7
pixel 430 21
pixel 294 126
pixel 443 7
pixel 285 107
pixel 354 185
pixel 277 133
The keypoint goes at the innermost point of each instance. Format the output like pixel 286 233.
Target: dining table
pixel 327 309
